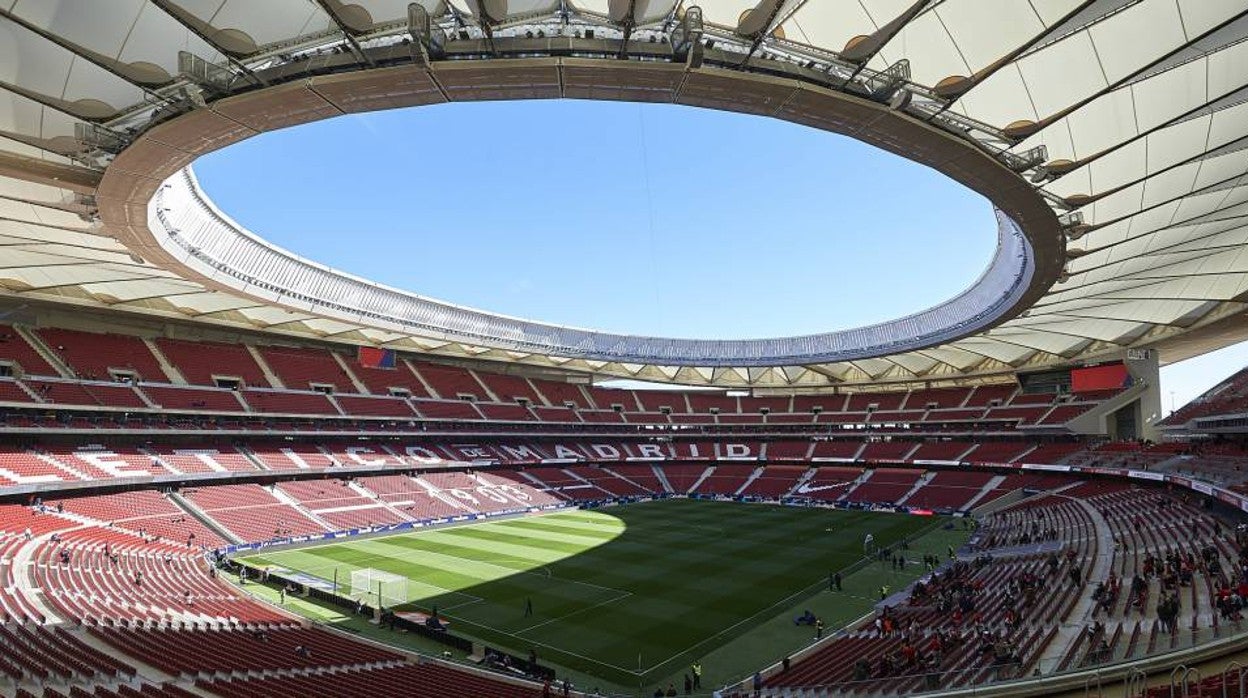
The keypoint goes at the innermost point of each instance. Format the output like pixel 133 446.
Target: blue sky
pixel 650 219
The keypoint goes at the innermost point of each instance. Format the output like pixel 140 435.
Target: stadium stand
pixel 15 350
pixel 885 486
pixel 302 369
pixel 88 574
pixel 450 382
pixel 95 356
pixel 206 393
pixel 426 680
pixel 927 449
pixel 252 512
pixel 725 479
pixel 200 362
pixel 829 483
pixel 774 481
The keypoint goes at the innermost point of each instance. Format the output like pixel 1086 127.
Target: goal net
pixel 378 588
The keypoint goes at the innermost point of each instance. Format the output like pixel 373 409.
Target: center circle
pixel 646 219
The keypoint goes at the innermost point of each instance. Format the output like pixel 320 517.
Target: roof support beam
pixel 29 169
pixel 197 28
pixel 331 9
pixel 140 78
pixel 860 50
pixel 757 23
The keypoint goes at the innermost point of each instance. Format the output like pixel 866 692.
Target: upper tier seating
pixel 14 348
pixel 379 381
pixel 562 393
pixel 863 402
pixel 774 405
pixel 508 389
pixel 505 413
pixel 556 414
pixel 707 402
pixel 300 368
pixel 92 355
pixel 608 398
pixel 1228 397
pixel 199 362
pixel 937 398
pixel 826 403
pixel 657 400
pixel 450 382
pixel 985 395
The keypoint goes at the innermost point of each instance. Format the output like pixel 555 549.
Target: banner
pixel 373 357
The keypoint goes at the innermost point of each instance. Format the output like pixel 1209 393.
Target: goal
pixel 375 587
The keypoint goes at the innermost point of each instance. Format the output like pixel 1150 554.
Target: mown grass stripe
pixel 664 578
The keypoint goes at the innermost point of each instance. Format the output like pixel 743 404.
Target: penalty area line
pixel 623 595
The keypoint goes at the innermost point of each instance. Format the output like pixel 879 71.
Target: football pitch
pixel 630 594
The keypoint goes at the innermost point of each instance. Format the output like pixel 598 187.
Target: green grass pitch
pixel 629 594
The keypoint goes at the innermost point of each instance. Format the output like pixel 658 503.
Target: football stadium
pixel 231 468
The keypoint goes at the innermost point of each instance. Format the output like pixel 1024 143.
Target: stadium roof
pixel 1111 135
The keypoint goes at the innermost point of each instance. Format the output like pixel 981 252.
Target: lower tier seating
pixel 426 680
pixel 181 652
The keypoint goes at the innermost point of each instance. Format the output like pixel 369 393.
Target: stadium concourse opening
pixel 641 219
pixel 631 596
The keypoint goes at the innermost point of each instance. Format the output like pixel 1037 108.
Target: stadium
pixel 228 469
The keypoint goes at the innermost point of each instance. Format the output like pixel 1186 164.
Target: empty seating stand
pixel 450 382
pixel 204 652
pixel 301 369
pixel 15 350
pixel 94 355
pixel 426 680
pixel 201 363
